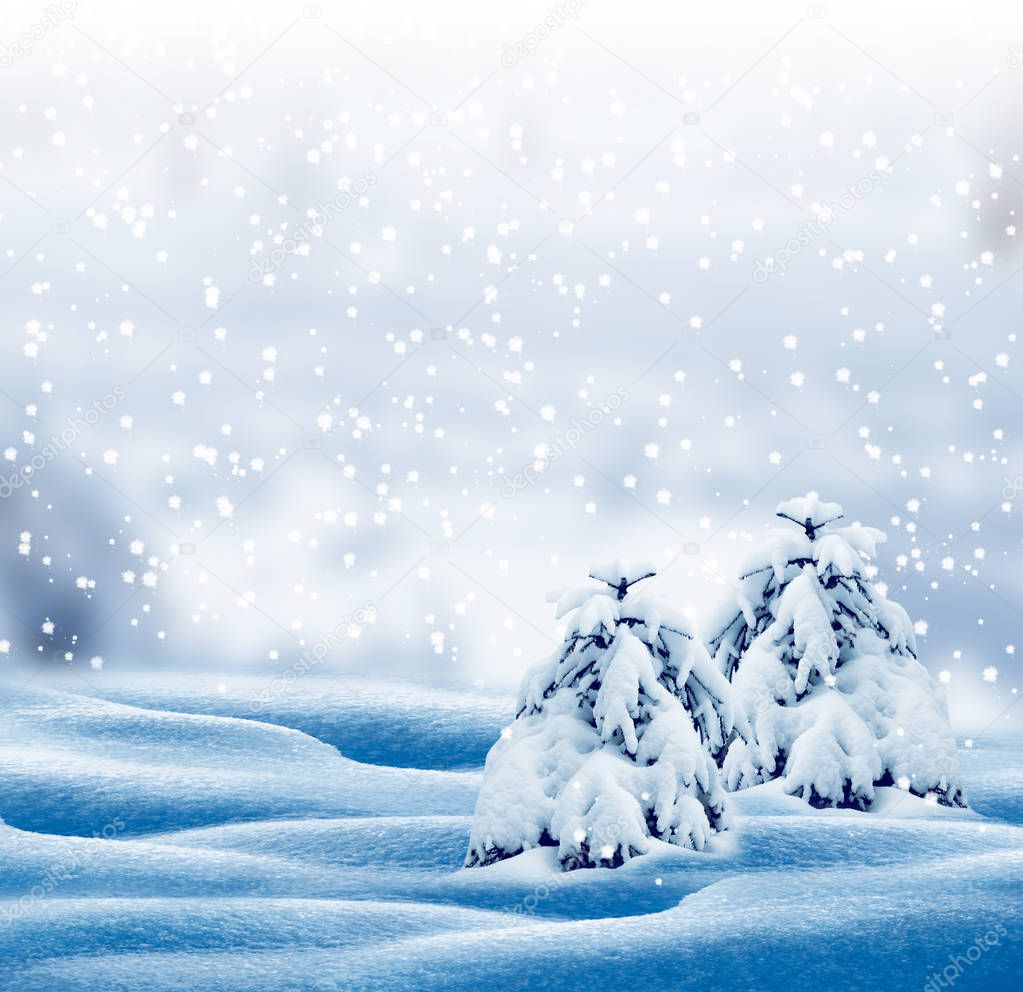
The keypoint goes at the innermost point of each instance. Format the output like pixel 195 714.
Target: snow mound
pixel 73 765
pixel 318 901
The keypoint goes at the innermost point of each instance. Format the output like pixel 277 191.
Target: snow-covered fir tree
pixel 828 691
pixel 614 739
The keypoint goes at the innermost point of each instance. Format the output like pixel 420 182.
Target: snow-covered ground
pixel 159 836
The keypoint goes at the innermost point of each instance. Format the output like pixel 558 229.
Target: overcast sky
pixel 312 322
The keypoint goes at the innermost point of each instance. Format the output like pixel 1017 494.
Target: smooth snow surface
pixel 159 837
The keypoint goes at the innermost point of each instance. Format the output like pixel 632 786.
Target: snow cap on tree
pixel 611 747
pixel 620 574
pixel 810 512
pixel 830 696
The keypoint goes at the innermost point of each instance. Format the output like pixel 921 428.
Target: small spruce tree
pixel 614 740
pixel 829 695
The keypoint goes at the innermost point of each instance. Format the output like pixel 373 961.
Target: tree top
pixel 810 512
pixel 620 574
